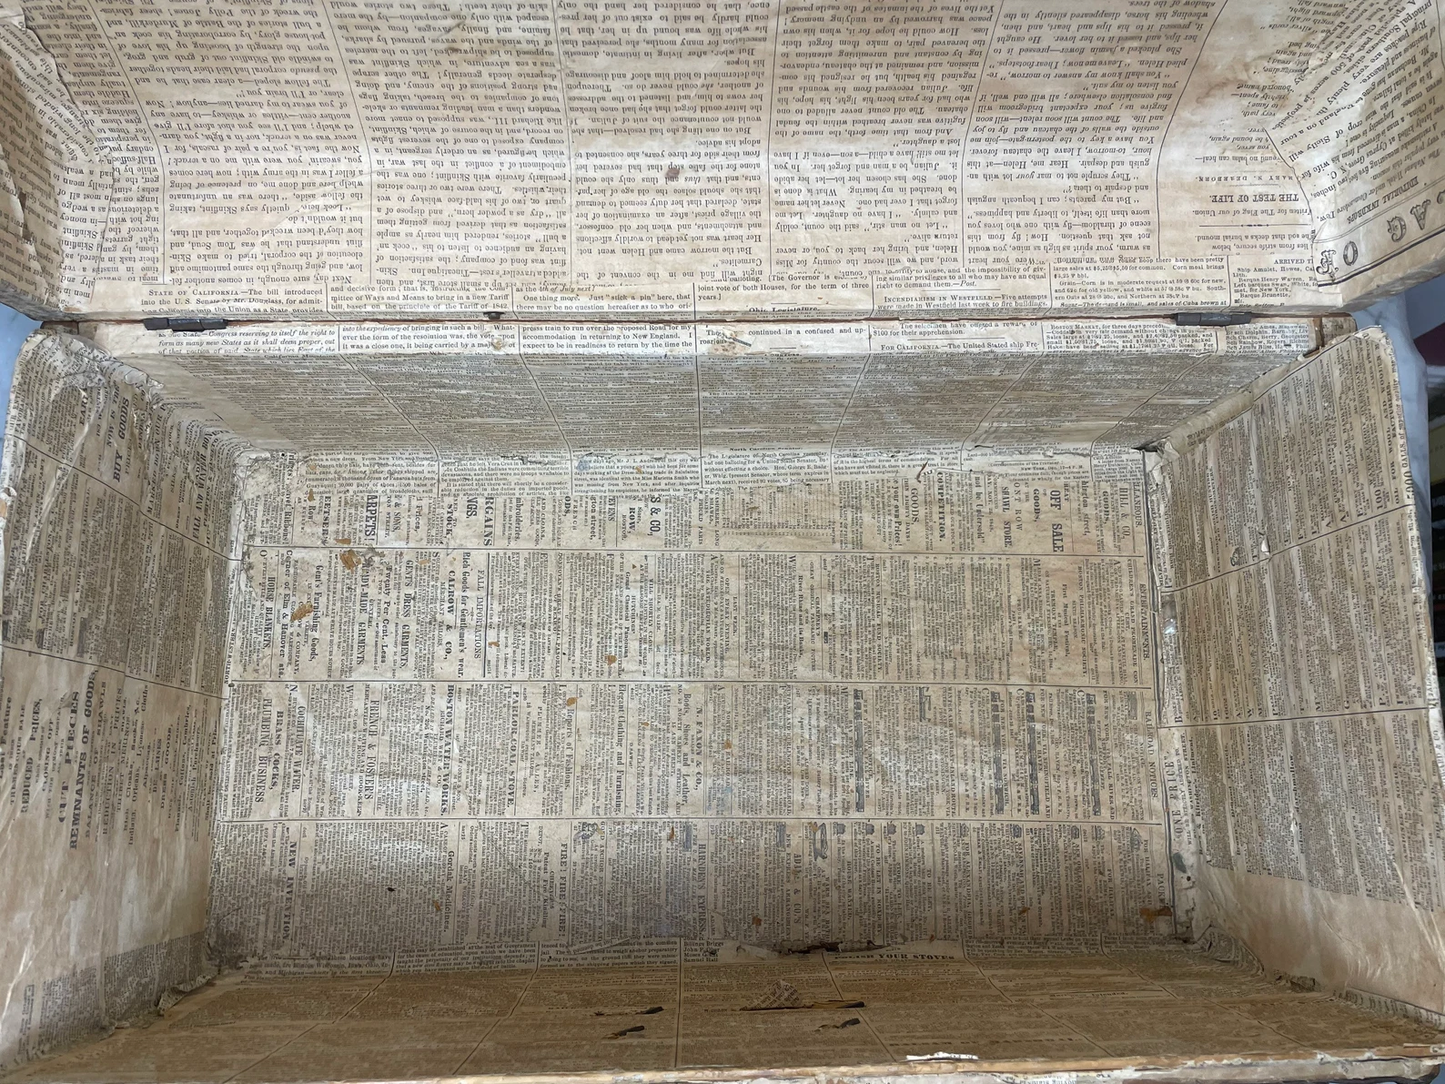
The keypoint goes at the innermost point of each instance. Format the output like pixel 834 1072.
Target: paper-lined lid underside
pixel 685 159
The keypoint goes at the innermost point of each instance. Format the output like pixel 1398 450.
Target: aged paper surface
pixel 696 535
pixel 719 158
pixel 739 694
pixel 784 635
pixel 1300 720
pixel 581 647
pixel 55 180
pixel 797 633
pixel 117 561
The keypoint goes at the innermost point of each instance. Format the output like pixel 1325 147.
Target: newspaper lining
pixel 118 535
pixel 908 697
pixel 1301 722
pixel 883 697
pixel 476 526
pixel 926 537
pixel 744 706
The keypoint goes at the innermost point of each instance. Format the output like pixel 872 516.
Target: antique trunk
pixel 710 539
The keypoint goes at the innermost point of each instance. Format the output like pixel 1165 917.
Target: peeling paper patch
pixel 941 1055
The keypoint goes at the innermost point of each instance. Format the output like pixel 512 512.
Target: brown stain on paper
pixel 349 560
pixel 1154 914
pixel 303 611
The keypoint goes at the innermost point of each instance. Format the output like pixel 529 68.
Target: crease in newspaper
pixel 1372 204
pixel 57 178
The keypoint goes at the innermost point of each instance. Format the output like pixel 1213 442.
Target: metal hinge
pixel 1212 319
pixel 184 323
